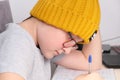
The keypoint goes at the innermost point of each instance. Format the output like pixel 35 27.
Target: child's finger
pixel 70 43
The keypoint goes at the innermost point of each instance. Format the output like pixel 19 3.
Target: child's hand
pixel 69 46
pixel 69 49
pixel 70 43
pixel 92 76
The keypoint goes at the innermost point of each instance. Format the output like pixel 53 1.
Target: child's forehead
pixel 69 34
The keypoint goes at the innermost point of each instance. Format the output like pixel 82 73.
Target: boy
pixel 54 28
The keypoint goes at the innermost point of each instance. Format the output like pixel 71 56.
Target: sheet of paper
pixel 62 73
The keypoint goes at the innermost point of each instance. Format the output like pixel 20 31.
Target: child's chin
pixel 48 57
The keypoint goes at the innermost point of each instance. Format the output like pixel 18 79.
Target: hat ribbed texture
pixel 80 17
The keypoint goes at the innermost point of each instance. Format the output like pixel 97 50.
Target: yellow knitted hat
pixel 80 17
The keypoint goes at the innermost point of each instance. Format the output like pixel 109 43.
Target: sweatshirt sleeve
pixel 16 56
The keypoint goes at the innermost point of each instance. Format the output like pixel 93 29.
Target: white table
pixel 117 74
pixel 59 74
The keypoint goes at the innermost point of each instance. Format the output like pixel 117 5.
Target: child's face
pixel 53 41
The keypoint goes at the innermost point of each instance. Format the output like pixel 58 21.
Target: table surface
pixel 116 72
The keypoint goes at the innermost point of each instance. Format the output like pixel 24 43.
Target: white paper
pixel 62 73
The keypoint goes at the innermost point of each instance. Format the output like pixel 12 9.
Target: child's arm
pixel 79 59
pixel 10 76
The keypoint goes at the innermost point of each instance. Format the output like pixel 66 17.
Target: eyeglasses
pixel 78 44
pixel 70 35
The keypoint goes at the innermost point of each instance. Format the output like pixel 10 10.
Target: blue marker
pixel 90 62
